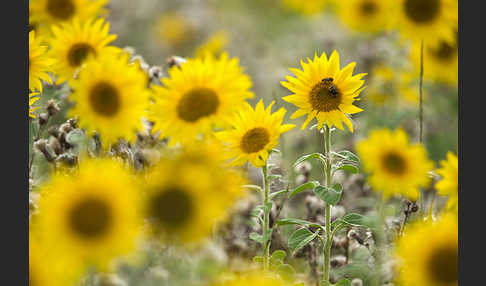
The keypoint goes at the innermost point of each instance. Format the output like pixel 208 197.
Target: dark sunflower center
pixel 422 11
pixel 394 163
pixel 61 9
pixel 368 8
pixel 90 218
pixel 254 140
pixel 325 96
pixel 197 103
pixel 443 265
pixel 171 207
pixel 78 53
pixel 444 52
pixel 105 99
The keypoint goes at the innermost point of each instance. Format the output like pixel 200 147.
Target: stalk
pixel 328 169
pixel 421 103
pixel 266 220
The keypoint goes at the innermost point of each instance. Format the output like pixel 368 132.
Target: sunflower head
pixel 198 96
pixel 428 20
pixel 75 41
pixel 45 13
pixel 82 215
pixel 254 134
pixel 324 91
pixel 396 167
pixel 40 63
pixel 111 97
pixel 448 184
pixel 188 194
pixel 365 15
pixel 428 253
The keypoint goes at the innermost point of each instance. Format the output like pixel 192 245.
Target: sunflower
pixel 428 253
pixel 253 278
pixel 255 133
pixel 74 41
pixel 448 185
pixel 396 166
pixel 39 63
pixel 186 195
pixel 93 216
pixel 324 91
pixel 440 61
pixel 213 46
pixel 365 15
pixel 428 20
pixel 307 7
pixel 32 99
pixel 382 85
pixel 44 13
pixel 111 97
pixel 199 95
pixel 173 29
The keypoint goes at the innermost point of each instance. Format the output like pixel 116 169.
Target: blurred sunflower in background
pixel 90 217
pixel 252 278
pixel 213 46
pixel 324 91
pixel 440 61
pixel 44 13
pixel 428 253
pixel 307 7
pixel 188 194
pixel 254 134
pixel 33 97
pixel 382 85
pixel 428 20
pixel 172 29
pixel 198 96
pixel 396 167
pixel 448 184
pixel 371 16
pixel 111 97
pixel 74 41
pixel 39 63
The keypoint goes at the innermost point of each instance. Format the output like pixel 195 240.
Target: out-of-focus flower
pixel 365 15
pixel 307 7
pixel 39 63
pixel 32 99
pixel 213 46
pixel 172 29
pixel 448 186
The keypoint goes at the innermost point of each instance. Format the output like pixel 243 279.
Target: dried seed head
pixel 53 131
pixel 65 128
pixel 338 260
pixel 55 145
pixel 41 146
pixel 73 122
pixel 52 107
pixel 43 118
pixel 68 159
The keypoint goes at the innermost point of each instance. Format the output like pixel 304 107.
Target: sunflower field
pixel 243 142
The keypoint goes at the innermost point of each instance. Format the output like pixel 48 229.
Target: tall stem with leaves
pixel 266 220
pixel 328 170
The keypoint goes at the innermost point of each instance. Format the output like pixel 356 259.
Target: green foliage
pixel 319 156
pixel 330 195
pixel 303 187
pixel 300 238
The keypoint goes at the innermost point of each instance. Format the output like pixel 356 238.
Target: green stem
pixel 328 167
pixel 421 103
pixel 266 220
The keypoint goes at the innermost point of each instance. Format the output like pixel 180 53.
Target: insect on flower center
pixel 443 265
pixel 61 9
pixel 255 140
pixel 197 103
pixel 444 52
pixel 171 207
pixel 422 11
pixel 325 96
pixel 368 8
pixel 394 163
pixel 90 218
pixel 105 99
pixel 78 53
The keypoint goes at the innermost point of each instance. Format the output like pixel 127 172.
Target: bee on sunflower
pixel 254 134
pixel 428 253
pixel 429 20
pixel 447 185
pixel 324 91
pixel 396 166
pixel 370 16
pixel 75 41
pixel 199 96
pixel 40 63
pixel 91 217
pixel 188 194
pixel 44 13
pixel 111 97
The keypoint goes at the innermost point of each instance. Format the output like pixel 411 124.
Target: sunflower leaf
pixel 354 219
pixel 305 186
pixel 287 221
pixel 343 282
pixel 347 155
pixel 318 156
pixel 348 168
pixel 300 238
pixel 330 195
pixel 274 194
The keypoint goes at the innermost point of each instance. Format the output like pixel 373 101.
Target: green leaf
pixel 287 221
pixel 277 257
pixel 347 155
pixel 254 187
pixel 273 195
pixel 324 283
pixel 258 259
pixel 300 238
pixel 261 238
pixel 286 272
pixel 330 195
pixel 355 219
pixel 303 187
pixel 343 282
pixel 319 156
pixel 348 168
